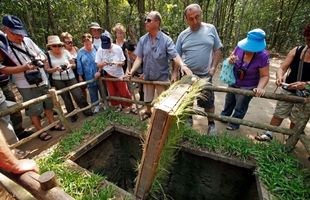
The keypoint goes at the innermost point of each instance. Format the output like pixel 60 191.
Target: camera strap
pixel 248 66
pixel 301 65
pixel 13 47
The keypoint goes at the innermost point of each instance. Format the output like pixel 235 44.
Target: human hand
pixel 25 165
pixel 258 92
pixel 186 70
pixel 233 59
pixel 29 66
pixel 81 79
pixel 211 71
pixel 299 85
pixel 128 75
pixel 97 75
pixel 279 81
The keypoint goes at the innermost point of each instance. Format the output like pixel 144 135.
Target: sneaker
pixel 265 137
pixel 212 129
pixel 97 108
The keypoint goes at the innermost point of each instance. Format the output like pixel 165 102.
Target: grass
pixel 81 185
pixel 278 170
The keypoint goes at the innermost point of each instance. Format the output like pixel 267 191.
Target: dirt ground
pixel 260 110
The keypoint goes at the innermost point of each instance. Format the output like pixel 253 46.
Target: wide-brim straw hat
pixel 95 25
pixel 53 40
pixel 254 42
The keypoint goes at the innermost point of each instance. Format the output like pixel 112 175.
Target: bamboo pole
pixel 267 95
pixel 103 92
pixel 36 134
pixel 247 123
pixel 58 109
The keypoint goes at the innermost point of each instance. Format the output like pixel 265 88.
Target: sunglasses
pixel 56 45
pixel 147 20
pixel 69 42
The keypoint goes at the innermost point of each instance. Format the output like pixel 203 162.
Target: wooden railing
pixel 295 134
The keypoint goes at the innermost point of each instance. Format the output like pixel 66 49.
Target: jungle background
pixel 283 20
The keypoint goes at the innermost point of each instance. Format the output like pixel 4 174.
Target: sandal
pixel 134 111
pixel 45 136
pixel 145 116
pixel 58 128
pixel 20 154
pixel 263 138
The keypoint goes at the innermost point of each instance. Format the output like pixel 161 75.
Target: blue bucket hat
pixel 254 42
pixel 105 41
pixel 14 24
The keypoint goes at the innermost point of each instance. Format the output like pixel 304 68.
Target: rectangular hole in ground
pixel 192 177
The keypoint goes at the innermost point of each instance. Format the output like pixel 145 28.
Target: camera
pixel 241 72
pixel 64 67
pixel 37 63
pixel 284 86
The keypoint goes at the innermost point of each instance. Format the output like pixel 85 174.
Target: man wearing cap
pixel 251 69
pixel 5 84
pixel 155 49
pixel 200 48
pixel 110 59
pixel 96 31
pixel 22 50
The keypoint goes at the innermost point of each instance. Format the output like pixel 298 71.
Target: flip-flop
pixel 45 136
pixel 58 128
pixel 145 116
pixel 20 154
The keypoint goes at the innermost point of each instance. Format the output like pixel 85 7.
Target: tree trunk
pixel 241 17
pixel 278 25
pixel 50 24
pixel 141 13
pixel 107 15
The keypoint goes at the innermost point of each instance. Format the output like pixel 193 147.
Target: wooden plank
pixel 163 116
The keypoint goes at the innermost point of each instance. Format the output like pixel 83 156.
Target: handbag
pixel 33 77
pixel 227 73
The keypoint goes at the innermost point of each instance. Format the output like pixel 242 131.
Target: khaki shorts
pixel 152 91
pixel 293 111
pixel 32 93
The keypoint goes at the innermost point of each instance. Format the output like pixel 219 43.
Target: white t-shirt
pixel 19 78
pixel 115 54
pixel 63 60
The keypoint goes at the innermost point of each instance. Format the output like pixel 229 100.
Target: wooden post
pixel 30 181
pixel 162 117
pixel 58 109
pixel 103 92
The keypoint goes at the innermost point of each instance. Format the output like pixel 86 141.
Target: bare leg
pixel 210 110
pixel 50 115
pixel 36 121
pixel 276 121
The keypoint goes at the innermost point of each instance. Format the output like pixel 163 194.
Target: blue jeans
pixel 93 93
pixel 237 103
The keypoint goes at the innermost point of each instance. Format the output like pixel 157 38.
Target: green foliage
pixel 283 20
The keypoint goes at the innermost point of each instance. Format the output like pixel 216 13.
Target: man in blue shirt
pixel 155 49
pixel 200 48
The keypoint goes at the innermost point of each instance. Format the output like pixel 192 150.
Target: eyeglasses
pixel 68 42
pixel 147 20
pixel 56 45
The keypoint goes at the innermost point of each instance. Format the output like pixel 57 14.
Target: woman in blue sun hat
pixel 251 70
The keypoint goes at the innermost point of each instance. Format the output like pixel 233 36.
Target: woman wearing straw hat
pixel 60 67
pixel 251 69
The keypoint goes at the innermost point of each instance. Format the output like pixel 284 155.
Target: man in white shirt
pixel 95 31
